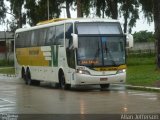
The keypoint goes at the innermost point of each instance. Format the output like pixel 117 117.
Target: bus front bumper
pixel 84 79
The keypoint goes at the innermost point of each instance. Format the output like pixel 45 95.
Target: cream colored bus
pixel 72 52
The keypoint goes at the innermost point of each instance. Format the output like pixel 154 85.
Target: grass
pixel 7 70
pixel 6 63
pixel 6 67
pixel 142 71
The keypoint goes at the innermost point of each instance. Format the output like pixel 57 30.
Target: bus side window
pixel 51 36
pixel 45 32
pixel 33 39
pixel 68 37
pixel 36 36
pixel 41 40
pixel 69 52
pixel 19 40
pixel 27 39
pixel 59 39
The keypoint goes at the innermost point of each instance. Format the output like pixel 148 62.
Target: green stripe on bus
pixel 54 52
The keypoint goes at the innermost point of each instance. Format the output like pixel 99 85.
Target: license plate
pixel 103 79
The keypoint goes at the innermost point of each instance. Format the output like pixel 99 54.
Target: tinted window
pixel 19 40
pixel 41 40
pixel 51 36
pixel 27 38
pixel 59 35
pixel 33 39
pixel 68 32
pixel 69 52
pixel 41 37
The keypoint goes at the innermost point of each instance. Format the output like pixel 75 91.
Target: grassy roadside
pixel 7 70
pixel 141 71
pixel 6 67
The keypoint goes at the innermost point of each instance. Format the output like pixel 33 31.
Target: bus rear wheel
pixel 29 81
pixel 23 74
pixel 28 78
pixel 103 86
pixel 62 82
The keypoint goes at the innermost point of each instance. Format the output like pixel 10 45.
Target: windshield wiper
pixel 108 51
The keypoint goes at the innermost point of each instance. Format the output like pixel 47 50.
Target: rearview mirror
pixel 130 41
pixel 75 40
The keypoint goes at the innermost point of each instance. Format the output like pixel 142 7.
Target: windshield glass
pixel 101 51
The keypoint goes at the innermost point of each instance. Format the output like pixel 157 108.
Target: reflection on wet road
pixel 16 97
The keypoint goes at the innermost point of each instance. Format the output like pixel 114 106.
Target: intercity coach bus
pixel 72 52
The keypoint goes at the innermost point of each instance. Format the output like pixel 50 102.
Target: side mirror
pixel 130 41
pixel 75 40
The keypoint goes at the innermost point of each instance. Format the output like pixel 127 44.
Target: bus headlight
pixel 121 71
pixel 83 71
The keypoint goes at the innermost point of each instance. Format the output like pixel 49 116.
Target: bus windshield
pixel 101 51
pixel 100 44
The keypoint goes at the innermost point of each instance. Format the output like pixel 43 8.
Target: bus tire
pixel 103 86
pixel 62 81
pixel 28 78
pixel 23 73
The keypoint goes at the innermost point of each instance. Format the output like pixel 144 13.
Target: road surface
pixel 18 98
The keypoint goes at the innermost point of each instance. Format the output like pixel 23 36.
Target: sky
pixel 141 24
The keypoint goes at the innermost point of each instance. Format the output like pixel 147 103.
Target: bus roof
pixel 60 21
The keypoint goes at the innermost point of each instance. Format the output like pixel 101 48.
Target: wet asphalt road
pixel 16 97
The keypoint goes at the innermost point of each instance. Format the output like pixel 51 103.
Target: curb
pixel 145 88
pixel 8 75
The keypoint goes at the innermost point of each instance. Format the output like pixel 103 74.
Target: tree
pixel 147 8
pixel 83 7
pixel 107 7
pixel 68 5
pixel 151 9
pixel 100 8
pixel 2 11
pixel 16 8
pixel 156 12
pixel 112 9
pixel 129 9
pixel 79 8
pixel 37 11
pixel 143 36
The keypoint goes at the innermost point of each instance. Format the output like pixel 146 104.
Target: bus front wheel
pixel 62 82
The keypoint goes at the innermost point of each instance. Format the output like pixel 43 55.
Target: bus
pixel 71 52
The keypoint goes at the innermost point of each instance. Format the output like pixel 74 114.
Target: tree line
pixel 33 11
